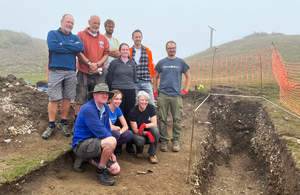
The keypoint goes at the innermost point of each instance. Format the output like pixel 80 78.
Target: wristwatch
pixel 89 63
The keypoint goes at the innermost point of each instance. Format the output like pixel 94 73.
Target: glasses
pixel 171 48
pixel 110 26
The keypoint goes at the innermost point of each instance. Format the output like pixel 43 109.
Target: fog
pixel 185 22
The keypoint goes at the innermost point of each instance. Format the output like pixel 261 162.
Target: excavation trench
pixel 237 150
pixel 242 154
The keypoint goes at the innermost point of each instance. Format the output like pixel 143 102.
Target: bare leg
pixel 77 108
pixel 52 110
pixel 108 145
pixel 65 107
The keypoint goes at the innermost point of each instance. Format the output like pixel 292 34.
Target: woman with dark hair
pixel 122 76
pixel 120 132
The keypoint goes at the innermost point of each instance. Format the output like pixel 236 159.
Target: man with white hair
pixel 92 139
pixel 91 61
pixel 63 48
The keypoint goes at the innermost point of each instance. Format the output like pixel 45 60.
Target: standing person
pixel 170 70
pixel 121 133
pixel 122 76
pixel 145 68
pixel 144 125
pixel 92 139
pixel 109 26
pixel 91 61
pixel 63 47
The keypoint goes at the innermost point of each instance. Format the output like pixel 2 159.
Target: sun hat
pixel 101 87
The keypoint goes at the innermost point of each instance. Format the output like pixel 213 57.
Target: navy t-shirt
pixel 171 75
pixel 135 115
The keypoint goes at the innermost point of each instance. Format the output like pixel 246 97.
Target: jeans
pixel 175 103
pixel 141 140
pixel 145 86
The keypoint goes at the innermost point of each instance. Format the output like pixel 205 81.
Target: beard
pixel 109 32
pixel 171 54
pixel 66 29
pixel 94 30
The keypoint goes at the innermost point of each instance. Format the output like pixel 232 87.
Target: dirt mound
pixel 23 106
pixel 23 119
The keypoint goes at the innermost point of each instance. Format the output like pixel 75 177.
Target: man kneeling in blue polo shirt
pixel 92 140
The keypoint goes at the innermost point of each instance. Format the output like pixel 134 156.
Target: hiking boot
pixel 164 146
pixel 129 148
pixel 49 131
pixel 118 150
pixel 153 159
pixel 63 127
pixel 176 147
pixel 139 155
pixel 80 164
pixel 103 177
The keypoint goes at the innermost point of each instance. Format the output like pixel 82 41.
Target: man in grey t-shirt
pixel 170 70
pixel 109 26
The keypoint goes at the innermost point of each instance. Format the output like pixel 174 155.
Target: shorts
pixel 85 84
pixel 61 85
pixel 91 149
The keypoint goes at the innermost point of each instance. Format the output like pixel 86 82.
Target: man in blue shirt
pixel 63 48
pixel 170 70
pixel 92 139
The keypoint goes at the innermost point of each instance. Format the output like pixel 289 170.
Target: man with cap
pixel 92 140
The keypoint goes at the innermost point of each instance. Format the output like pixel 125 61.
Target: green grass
pixel 19 166
pixel 294 147
pixel 32 78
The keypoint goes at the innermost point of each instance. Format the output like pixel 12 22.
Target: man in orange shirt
pixel 145 68
pixel 91 61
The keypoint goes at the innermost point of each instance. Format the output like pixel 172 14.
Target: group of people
pixel 114 99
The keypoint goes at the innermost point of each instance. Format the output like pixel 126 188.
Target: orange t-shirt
pixel 94 48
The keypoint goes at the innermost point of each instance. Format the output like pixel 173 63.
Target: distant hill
pixel 287 45
pixel 22 54
pixel 19 53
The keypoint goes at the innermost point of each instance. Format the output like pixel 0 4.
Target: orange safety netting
pixel 247 68
pixel 261 66
pixel 288 77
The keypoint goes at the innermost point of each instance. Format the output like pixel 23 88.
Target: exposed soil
pixel 235 151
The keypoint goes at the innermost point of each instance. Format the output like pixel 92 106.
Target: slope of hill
pixel 21 54
pixel 287 45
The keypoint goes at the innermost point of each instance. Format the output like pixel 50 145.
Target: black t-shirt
pixel 135 115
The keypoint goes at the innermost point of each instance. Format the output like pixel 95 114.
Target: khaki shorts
pixel 90 149
pixel 85 84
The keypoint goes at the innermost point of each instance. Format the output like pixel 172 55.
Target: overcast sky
pixel 184 21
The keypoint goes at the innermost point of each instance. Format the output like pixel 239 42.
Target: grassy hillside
pixel 287 45
pixel 21 54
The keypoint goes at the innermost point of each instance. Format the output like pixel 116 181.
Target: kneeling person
pixel 92 140
pixel 143 122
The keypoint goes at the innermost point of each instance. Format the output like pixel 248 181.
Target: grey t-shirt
pixel 171 75
pixel 112 45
